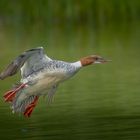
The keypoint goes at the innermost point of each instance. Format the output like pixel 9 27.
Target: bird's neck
pixel 77 64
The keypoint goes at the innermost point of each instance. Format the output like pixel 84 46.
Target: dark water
pixel 100 102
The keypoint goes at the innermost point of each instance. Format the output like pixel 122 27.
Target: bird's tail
pixel 19 102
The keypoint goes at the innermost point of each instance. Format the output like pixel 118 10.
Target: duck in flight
pixel 40 75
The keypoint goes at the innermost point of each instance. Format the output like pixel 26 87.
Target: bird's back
pixel 54 69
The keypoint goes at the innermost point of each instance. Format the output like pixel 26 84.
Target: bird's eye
pixel 96 58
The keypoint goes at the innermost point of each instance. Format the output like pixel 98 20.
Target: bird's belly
pixel 44 83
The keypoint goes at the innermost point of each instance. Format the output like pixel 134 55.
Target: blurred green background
pixel 101 101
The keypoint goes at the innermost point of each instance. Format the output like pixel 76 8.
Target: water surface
pixel 100 102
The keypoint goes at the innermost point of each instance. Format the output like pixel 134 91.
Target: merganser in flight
pixel 40 75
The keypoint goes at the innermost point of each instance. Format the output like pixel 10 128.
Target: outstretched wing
pixel 51 93
pixel 29 61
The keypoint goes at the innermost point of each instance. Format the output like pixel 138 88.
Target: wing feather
pixel 30 59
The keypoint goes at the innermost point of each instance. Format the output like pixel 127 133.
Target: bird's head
pixel 92 59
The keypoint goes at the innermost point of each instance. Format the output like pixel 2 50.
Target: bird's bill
pixel 102 60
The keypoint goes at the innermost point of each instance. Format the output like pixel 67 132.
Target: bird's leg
pixel 10 95
pixel 30 107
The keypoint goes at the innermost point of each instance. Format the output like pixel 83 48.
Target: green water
pixel 100 102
